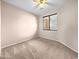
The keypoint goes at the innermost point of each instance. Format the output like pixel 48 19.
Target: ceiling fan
pixel 41 3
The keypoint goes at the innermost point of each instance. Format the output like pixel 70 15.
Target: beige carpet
pixel 38 48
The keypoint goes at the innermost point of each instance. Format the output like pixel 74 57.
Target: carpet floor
pixel 38 48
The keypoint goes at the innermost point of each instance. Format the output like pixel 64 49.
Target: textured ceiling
pixel 29 6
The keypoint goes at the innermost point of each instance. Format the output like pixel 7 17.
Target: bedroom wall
pixel 0 27
pixel 17 25
pixel 67 25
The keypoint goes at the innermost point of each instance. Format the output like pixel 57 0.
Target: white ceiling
pixel 29 6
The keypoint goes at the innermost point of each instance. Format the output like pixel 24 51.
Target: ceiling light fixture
pixel 40 3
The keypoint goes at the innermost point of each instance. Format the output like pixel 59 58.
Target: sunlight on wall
pixel 26 26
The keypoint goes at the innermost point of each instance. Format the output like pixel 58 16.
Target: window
pixel 50 22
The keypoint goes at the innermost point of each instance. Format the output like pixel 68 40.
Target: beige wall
pixel 67 25
pixel 16 25
pixel 0 27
